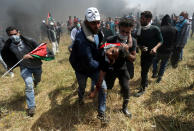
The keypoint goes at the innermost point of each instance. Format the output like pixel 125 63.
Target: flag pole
pixel 12 68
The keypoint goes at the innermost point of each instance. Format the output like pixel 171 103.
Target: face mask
pixel 181 18
pixel 78 25
pixel 15 39
pixel 122 37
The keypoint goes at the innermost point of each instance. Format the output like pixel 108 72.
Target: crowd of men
pixel 105 59
pixel 53 31
pixel 103 51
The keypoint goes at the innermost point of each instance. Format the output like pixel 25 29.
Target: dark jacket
pixel 169 34
pixel 107 33
pixel 9 57
pixel 183 34
pixel 52 33
pixel 84 57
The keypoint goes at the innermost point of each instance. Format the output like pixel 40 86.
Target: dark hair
pixel 147 14
pixel 126 22
pixel 10 28
pixel 166 20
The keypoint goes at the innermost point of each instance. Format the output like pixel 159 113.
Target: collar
pixel 89 35
pixel 146 27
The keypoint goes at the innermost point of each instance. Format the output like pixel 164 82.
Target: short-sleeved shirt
pixel 150 37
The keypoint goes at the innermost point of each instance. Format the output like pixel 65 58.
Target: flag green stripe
pixel 43 58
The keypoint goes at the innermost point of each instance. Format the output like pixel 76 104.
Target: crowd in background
pixel 103 50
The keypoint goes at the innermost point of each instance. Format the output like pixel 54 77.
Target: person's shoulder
pixel 154 27
pixel 74 29
pixel 26 38
pixel 80 37
pixel 112 38
pixel 79 34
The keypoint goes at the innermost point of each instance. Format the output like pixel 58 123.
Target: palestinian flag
pixel 109 45
pixel 49 17
pixel 41 52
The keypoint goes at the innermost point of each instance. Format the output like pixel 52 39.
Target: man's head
pixel 166 20
pixel 125 28
pixel 78 25
pixel 146 18
pixel 92 19
pixel 43 21
pixel 13 34
pixel 109 19
pixel 52 23
pixel 184 14
pixel 112 54
pixel 107 26
pixel 11 30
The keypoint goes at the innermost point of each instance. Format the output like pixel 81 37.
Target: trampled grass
pixel 167 106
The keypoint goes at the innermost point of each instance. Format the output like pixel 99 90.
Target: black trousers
pixel 123 77
pixel 175 56
pixel 130 68
pixel 146 62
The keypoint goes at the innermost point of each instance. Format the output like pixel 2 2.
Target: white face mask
pixel 122 37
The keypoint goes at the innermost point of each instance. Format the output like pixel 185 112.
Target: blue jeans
pixel 102 98
pixel 82 80
pixel 163 64
pixel 30 76
pixel 181 55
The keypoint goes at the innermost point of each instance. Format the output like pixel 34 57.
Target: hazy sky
pixel 27 13
pixel 163 6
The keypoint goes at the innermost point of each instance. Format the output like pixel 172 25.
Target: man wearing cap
pixel 84 57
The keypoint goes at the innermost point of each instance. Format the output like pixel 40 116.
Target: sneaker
pixel 154 75
pixel 31 111
pixel 126 112
pixel 35 84
pixel 103 118
pixel 175 66
pixel 159 79
pixel 140 92
pixel 11 74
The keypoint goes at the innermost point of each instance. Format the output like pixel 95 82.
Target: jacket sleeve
pixel 185 34
pixel 87 55
pixel 159 36
pixel 8 56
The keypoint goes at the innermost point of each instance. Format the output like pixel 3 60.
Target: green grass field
pixel 167 106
